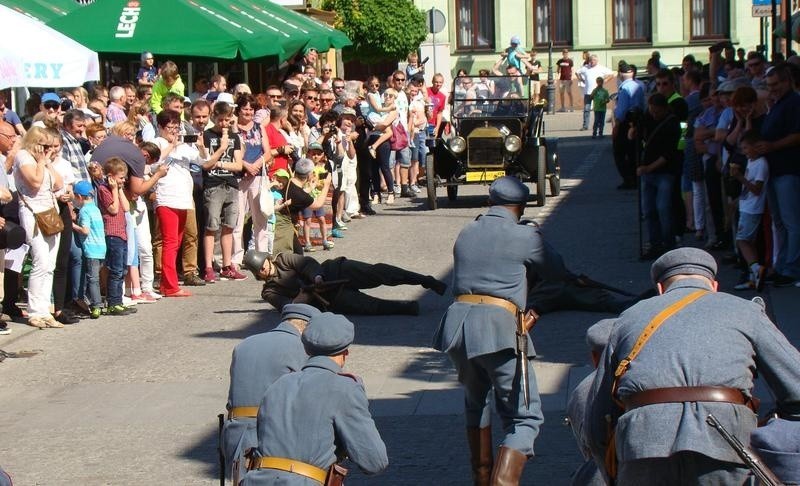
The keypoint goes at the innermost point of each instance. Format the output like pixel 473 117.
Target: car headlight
pixel 513 143
pixel 458 145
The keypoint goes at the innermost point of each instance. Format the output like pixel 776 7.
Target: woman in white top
pixel 173 196
pixel 36 182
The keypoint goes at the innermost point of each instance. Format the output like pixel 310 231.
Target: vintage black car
pixel 496 130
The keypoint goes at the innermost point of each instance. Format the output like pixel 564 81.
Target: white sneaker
pixel 415 189
pixel 127 301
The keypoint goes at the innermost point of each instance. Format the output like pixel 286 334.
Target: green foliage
pixel 379 29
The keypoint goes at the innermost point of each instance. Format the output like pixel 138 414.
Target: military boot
pixel 481 457
pixel 508 468
pixel 405 191
pixel 399 307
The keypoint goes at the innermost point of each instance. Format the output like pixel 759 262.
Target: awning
pixel 48 58
pixel 221 29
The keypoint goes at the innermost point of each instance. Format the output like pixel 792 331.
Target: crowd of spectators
pixel 715 147
pixel 158 191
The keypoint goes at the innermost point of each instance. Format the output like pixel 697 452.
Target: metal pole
pixel 433 40
pixel 551 85
pixel 774 25
pixel 787 13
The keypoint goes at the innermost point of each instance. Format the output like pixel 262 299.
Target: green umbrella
pixel 192 28
pixel 43 10
pixel 780 30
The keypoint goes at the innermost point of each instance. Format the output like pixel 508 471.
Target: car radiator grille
pixel 485 152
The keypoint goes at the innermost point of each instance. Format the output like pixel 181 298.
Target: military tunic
pixel 257 362
pixel 718 340
pixel 312 416
pixel 480 339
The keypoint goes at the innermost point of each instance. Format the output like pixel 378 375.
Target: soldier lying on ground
pixel 287 274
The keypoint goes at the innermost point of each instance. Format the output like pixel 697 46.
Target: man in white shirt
pixel 588 74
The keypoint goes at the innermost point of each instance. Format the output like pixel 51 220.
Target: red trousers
pixel 171 221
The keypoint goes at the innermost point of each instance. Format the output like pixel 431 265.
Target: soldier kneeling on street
pixel 311 420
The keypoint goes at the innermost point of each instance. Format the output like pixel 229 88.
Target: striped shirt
pixel 72 151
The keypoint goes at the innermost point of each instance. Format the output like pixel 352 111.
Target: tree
pixel 379 29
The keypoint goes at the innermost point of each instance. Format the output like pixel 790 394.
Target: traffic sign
pixel 763 8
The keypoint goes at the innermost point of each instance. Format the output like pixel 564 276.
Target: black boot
pixel 481 456
pixel 405 191
pixel 436 285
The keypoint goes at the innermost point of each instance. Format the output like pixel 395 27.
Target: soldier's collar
pixel 502 212
pixel 688 283
pixel 323 362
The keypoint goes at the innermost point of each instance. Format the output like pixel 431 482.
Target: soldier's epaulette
pixel 528 222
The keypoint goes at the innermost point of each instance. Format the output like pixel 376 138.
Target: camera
pixel 424 60
pixel 66 104
pixel 326 129
pixel 189 138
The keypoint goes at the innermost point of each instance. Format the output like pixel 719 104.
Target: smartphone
pixel 189 138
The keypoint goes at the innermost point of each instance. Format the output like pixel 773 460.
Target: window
pixel 710 19
pixel 631 21
pixel 475 24
pixel 552 22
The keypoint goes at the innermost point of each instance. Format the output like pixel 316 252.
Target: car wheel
pixel 430 182
pixel 541 176
pixel 452 192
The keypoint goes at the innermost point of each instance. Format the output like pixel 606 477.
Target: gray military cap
pixel 597 335
pixel 683 261
pixel 254 260
pixel 328 334
pixel 303 166
pixel 778 445
pixel 299 311
pixel 508 190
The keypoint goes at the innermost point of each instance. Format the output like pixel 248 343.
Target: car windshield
pixel 490 96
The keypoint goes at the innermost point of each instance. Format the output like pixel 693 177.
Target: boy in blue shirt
pixel 92 237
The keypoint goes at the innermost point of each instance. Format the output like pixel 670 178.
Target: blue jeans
pixel 657 207
pixel 783 195
pixel 93 281
pixel 77 277
pixel 116 258
pixel 587 110
pixel 599 122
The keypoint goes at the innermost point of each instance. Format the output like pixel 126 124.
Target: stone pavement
pixel 133 400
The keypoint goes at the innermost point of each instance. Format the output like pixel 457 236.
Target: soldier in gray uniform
pixel 286 274
pixel 700 360
pixel 588 474
pixel 309 421
pixel 257 362
pixel 478 332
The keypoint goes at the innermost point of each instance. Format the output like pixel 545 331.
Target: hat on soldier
pixel 597 335
pixel 624 67
pixel 683 261
pixel 778 445
pixel 328 334
pixel 508 190
pixel 299 311
pixel 253 260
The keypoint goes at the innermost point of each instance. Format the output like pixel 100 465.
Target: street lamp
pixel 551 85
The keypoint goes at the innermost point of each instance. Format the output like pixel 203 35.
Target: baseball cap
pixel 50 97
pixel 83 188
pixel 226 98
pixel 515 40
pixel 315 146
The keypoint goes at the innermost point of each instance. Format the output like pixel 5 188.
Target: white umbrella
pixel 41 57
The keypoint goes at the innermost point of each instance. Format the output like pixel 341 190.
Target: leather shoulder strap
pixel 648 332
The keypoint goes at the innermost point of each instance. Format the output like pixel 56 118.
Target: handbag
pixel 399 139
pixel 265 200
pixel 48 221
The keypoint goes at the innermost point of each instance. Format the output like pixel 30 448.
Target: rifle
pixel 221 418
pixel 750 458
pixel 317 289
pixel 584 281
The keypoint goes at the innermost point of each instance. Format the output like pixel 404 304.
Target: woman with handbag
pixel 256 159
pixel 36 182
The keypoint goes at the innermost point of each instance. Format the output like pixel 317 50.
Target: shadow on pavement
pixel 205 452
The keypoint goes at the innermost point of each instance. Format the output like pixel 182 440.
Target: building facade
pixel 476 31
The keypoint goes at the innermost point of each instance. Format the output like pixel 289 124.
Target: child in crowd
pixel 221 191
pixel 377 110
pixel 751 207
pixel 92 239
pixel 278 189
pixel 317 182
pixel 517 57
pixel 168 82
pixel 113 206
pixel 600 98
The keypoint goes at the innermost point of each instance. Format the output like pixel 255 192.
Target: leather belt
pixel 680 394
pixel 489 300
pixel 292 466
pixel 243 412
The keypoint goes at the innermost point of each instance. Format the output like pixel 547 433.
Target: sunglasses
pixel 51 105
pixel 326 100
pixel 338 87
pixel 399 79
pixel 312 98
pixel 273 96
